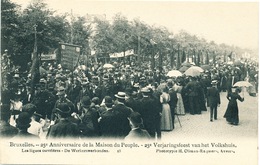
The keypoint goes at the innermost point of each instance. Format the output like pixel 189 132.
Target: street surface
pixel 200 125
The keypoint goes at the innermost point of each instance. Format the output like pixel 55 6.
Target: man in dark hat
pixel 64 128
pixel 193 88
pixel 23 123
pixel 6 130
pixel 123 112
pixel 150 112
pixel 62 99
pixel 109 122
pixel 137 132
pixel 173 100
pixel 89 125
pixel 214 100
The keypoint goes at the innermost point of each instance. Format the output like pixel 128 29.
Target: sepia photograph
pixel 129 82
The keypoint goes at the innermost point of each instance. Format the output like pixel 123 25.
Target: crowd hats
pixel 120 95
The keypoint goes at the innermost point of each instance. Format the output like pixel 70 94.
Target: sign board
pixel 69 55
pixel 46 57
pixel 121 54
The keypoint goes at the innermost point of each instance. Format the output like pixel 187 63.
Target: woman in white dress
pixel 166 119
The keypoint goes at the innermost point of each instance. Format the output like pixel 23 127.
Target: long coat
pixel 109 126
pixel 231 114
pixel 213 97
pixel 122 114
pixel 63 129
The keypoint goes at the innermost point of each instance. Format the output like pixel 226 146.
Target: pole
pixel 138 50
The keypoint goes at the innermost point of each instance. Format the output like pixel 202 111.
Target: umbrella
pixel 183 68
pixel 106 66
pixel 174 73
pixel 242 84
pixel 197 68
pixel 192 72
pixel 205 67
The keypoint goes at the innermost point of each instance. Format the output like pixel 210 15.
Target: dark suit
pixel 109 127
pixel 193 88
pixel 214 100
pixel 173 103
pixel 150 113
pixel 90 123
pixel 64 129
pixel 122 114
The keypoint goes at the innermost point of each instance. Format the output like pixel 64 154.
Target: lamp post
pixel 172 54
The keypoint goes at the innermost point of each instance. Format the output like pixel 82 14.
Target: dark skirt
pixel 231 114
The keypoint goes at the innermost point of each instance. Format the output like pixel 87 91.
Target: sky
pixel 231 22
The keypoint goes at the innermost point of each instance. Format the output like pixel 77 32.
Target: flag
pixel 35 71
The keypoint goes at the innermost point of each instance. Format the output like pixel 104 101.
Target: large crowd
pixel 118 102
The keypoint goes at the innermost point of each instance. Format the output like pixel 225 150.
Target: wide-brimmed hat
pixel 23 120
pixel 120 95
pixel 63 108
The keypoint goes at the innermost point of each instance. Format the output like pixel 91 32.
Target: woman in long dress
pixel 166 118
pixel 180 106
pixel 231 114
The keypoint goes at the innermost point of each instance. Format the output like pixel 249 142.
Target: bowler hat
pixel 108 100
pixel 120 95
pixel 85 101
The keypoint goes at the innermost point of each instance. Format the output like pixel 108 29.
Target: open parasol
pixel 193 72
pixel 242 84
pixel 174 73
pixel 107 66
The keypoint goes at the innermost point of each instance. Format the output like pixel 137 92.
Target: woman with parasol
pixel 231 114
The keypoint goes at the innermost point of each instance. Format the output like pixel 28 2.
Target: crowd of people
pixel 118 102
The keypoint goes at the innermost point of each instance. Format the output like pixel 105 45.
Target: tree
pixel 81 33
pixel 121 30
pixel 9 26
